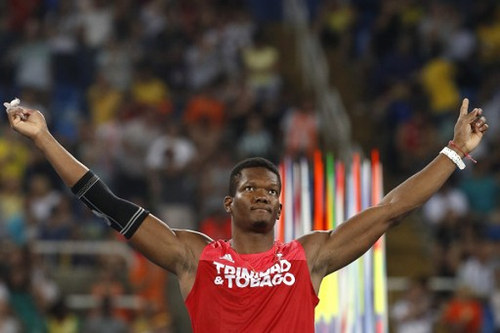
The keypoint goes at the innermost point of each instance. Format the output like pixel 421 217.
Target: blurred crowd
pixel 161 97
pixel 413 62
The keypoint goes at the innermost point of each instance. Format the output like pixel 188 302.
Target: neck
pixel 246 243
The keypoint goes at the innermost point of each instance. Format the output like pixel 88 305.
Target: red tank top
pixel 262 292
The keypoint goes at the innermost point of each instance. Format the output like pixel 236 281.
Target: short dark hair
pixel 252 162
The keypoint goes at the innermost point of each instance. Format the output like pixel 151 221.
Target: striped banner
pixel 380 275
pixel 327 311
pixel 320 194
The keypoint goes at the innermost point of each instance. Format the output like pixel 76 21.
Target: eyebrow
pixel 252 183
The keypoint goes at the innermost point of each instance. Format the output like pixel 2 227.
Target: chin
pixel 261 226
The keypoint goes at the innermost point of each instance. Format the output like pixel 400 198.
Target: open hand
pixel 469 128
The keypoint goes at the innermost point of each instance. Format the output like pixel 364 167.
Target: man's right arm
pixel 176 251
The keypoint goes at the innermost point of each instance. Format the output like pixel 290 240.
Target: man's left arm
pixel 329 251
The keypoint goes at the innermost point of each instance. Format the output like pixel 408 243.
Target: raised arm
pixel 174 250
pixel 331 250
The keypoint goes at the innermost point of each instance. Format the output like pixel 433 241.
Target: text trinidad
pixel 242 277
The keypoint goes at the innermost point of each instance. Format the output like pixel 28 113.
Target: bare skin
pixel 255 207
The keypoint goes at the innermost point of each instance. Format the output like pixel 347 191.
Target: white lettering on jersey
pixel 229 270
pixel 218 266
pixel 241 277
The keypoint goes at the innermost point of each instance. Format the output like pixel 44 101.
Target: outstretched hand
pixel 30 123
pixel 469 128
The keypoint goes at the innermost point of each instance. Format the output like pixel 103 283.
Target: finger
pixel 483 128
pixel 464 108
pixel 473 115
pixel 14 110
pixel 480 121
pixel 20 111
pixel 14 121
pixel 25 114
pixel 11 116
pixel 480 124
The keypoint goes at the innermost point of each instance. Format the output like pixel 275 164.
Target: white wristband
pixel 452 155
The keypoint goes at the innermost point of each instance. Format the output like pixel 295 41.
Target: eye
pixel 249 188
pixel 273 192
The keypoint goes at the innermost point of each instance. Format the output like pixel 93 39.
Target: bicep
pixel 339 247
pixel 174 250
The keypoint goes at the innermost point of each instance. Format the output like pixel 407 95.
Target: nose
pixel 261 197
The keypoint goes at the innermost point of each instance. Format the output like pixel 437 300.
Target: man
pixel 252 283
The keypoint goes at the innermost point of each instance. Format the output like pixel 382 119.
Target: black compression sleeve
pixel 122 215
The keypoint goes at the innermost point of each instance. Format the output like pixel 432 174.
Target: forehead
pixel 258 174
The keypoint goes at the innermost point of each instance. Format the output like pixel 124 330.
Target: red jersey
pixel 262 292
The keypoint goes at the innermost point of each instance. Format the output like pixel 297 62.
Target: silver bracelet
pixel 454 157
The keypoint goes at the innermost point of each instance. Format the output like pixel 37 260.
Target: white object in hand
pixel 14 103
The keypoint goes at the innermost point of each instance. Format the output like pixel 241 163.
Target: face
pixel 255 206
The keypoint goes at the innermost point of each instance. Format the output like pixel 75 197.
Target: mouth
pixel 263 209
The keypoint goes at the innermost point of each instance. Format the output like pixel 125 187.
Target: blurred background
pixel 161 97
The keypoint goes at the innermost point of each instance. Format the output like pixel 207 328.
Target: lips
pixel 264 208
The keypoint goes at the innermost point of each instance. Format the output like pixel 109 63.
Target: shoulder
pixel 312 243
pixel 314 240
pixel 292 250
pixel 218 244
pixel 196 239
pixel 307 245
pixel 201 240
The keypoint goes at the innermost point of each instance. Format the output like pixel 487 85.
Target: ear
pixel 279 212
pixel 227 203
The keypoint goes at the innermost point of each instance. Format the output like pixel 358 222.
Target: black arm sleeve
pixel 122 215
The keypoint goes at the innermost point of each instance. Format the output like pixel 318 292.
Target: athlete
pixel 252 283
